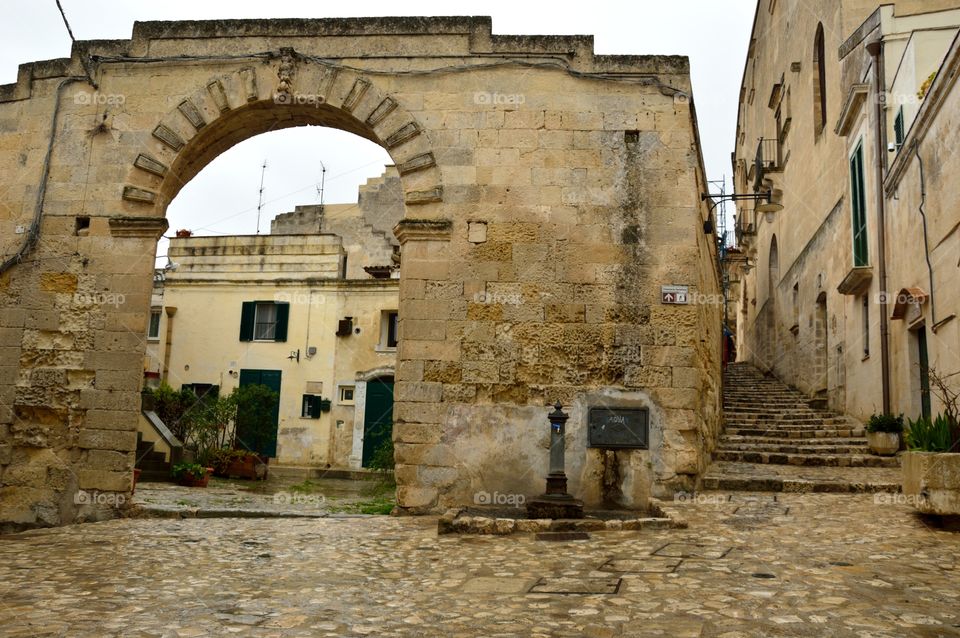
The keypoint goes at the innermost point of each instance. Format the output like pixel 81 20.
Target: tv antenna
pixel 323 178
pixel 263 171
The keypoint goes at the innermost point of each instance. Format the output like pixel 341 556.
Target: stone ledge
pixel 461 521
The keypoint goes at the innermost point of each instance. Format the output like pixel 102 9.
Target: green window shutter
pixel 898 128
pixel 858 204
pixel 311 406
pixel 283 317
pixel 246 320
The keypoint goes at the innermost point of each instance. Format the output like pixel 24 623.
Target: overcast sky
pixel 222 199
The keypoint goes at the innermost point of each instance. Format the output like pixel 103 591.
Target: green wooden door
pixel 259 437
pixel 377 417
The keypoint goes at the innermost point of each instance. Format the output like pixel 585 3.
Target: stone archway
pixel 549 192
pixel 229 108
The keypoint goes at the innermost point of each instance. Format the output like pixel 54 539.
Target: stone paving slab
pixel 277 497
pixel 836 565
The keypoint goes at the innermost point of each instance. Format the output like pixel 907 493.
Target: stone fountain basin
pixel 502 521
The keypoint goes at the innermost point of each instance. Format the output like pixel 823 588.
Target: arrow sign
pixel 676 295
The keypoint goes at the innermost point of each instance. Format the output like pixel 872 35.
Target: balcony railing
pixel 768 160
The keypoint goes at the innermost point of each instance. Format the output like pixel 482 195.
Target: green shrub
pixel 256 425
pixel 382 458
pixel 924 435
pixel 193 469
pixel 174 408
pixel 885 423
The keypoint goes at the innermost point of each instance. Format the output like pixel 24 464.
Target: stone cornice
pixel 152 227
pixel 423 229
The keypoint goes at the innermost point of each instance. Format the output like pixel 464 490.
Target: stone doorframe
pixel 360 410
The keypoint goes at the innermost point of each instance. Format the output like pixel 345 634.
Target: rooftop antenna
pixel 263 170
pixel 323 178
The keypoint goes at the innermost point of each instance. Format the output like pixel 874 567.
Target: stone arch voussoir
pixel 233 106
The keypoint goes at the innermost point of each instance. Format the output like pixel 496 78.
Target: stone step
pixel 156 477
pixel 788 447
pixel 808 460
pixel 153 466
pixel 776 484
pixel 752 420
pixel 795 433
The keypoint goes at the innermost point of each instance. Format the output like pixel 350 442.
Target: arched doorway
pixel 821 353
pixel 377 422
pixel 771 307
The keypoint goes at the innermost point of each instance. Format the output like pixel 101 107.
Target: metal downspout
pixel 875 49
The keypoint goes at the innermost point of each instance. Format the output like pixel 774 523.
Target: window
pixel 264 321
pixel 153 332
pixel 819 83
pixel 346 394
pixel 203 391
pixel 313 405
pixel 865 318
pixel 389 329
pixel 898 132
pixel 859 208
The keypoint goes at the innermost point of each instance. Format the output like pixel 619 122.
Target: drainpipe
pixel 926 242
pixel 170 310
pixel 875 49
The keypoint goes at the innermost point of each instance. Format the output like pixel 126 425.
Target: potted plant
pixel 238 464
pixel 192 474
pixel 931 467
pixel 883 434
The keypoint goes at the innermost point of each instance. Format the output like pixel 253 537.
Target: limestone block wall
pixel 548 194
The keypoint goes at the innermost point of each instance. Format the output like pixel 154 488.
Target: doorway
pixel 257 425
pixel 821 365
pixel 378 417
pixel 924 370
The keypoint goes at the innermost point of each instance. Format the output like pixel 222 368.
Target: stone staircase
pixel 153 465
pixel 774 441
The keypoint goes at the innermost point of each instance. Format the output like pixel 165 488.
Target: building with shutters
pixel 309 311
pixel 848 118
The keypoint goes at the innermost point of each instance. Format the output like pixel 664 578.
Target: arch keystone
pixel 219 95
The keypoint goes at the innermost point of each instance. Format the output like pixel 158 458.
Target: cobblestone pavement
pixel 749 565
pixel 275 496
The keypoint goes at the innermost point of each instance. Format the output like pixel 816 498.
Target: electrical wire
pixel 33 234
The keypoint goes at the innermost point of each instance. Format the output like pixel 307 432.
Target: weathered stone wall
pixel 780 327
pixel 549 192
